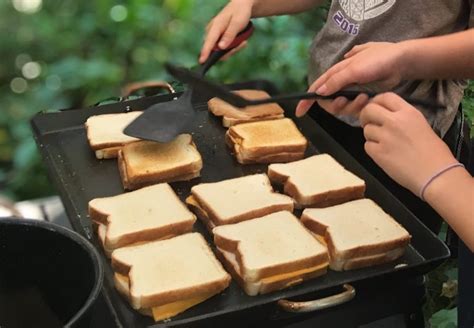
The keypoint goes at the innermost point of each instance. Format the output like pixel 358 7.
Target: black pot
pixel 49 276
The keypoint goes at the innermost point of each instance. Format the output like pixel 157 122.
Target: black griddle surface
pixel 80 177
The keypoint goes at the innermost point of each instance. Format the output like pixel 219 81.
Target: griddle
pixel 80 177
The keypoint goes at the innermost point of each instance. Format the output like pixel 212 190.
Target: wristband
pixel 434 176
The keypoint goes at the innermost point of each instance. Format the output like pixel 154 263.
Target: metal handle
pixel 322 303
pixel 134 87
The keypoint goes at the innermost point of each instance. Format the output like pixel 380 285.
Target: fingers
pixel 233 28
pixel 343 107
pixel 353 108
pixel 233 51
pixel 391 101
pixel 214 32
pixel 319 86
pixel 335 106
pixel 305 104
pixel 356 49
pixel 339 77
pixel 372 149
pixel 374 114
pixel 372 133
pixel 303 107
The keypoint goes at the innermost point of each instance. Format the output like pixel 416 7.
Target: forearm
pixel 443 57
pixel 262 8
pixel 452 196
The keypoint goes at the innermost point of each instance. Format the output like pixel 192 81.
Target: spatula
pixel 186 76
pixel 165 121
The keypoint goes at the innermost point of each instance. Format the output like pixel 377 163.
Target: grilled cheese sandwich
pixel 270 253
pixel 165 278
pixel 358 234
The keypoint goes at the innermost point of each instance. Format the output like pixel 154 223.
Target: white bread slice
pixel 232 115
pixel 102 231
pixel 272 283
pixel 161 312
pixel 122 284
pixel 358 234
pixel 266 141
pixel 317 181
pixel 150 213
pixel 274 246
pixel 145 162
pixel 167 271
pixel 105 133
pixel 238 199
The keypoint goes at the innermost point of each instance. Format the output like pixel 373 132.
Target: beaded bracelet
pixel 434 176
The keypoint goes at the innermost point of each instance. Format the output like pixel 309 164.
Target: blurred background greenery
pixel 68 54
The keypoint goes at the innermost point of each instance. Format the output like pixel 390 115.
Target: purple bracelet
pixel 434 176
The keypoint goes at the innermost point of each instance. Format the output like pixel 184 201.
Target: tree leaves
pixel 445 319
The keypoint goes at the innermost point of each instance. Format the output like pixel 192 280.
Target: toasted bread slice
pixel 146 214
pixel 270 252
pixel 317 181
pixel 238 199
pixel 145 162
pixel 105 133
pixel 168 271
pixel 232 115
pixel 358 234
pixel 266 141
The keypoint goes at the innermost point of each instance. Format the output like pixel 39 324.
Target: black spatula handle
pixel 349 94
pixel 218 53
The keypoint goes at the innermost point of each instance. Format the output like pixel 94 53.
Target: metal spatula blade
pixel 165 121
pixel 187 76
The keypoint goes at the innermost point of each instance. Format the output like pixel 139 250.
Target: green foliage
pixel 468 105
pixel 439 288
pixel 88 50
pixel 444 319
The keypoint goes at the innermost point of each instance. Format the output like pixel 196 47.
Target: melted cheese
pixel 290 275
pixel 171 309
pixel 191 200
pixel 320 239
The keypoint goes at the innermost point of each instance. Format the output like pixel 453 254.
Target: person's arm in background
pixel 442 57
pixel 401 142
pixel 236 15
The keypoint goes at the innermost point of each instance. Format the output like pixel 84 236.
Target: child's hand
pixel 401 142
pixel 379 62
pixel 225 26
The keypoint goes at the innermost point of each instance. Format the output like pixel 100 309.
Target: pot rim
pixel 79 240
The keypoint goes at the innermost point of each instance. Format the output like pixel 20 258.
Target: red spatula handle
pixel 217 53
pixel 241 37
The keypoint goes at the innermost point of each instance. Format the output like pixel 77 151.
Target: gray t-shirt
pixel 353 22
